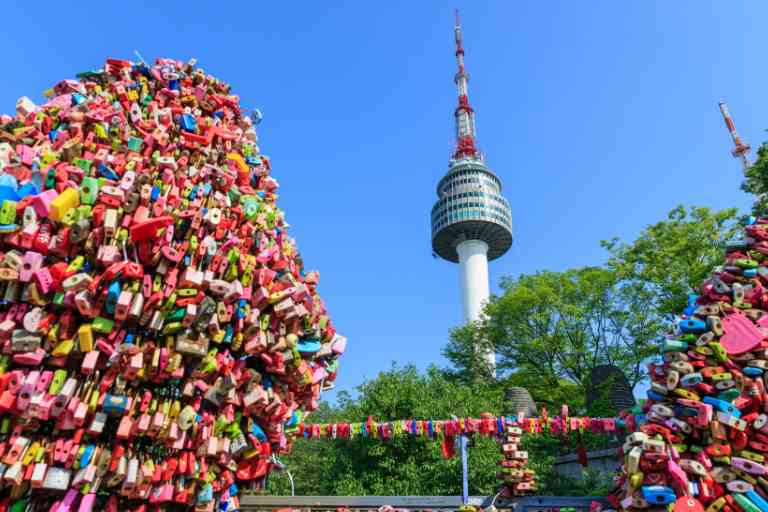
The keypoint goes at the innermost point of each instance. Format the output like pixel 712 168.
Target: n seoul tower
pixel 471 220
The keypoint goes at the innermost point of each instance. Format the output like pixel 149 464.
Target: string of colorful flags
pixel 487 425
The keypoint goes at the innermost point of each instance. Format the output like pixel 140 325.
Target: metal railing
pixel 414 503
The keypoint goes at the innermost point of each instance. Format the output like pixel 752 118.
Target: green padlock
pixel 103 325
pixel 70 217
pixel 729 394
pixel 745 503
pixel 176 315
pixel 83 164
pixel 721 376
pixel 89 190
pixel 135 144
pixel 172 327
pixel 57 382
pixel 84 211
pixel 19 506
pixel 169 303
pixel 8 212
pixel 745 263
pixel 674 346
pixel 50 178
pixel 719 351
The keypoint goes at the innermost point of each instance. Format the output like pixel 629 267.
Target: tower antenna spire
pixel 466 146
pixel 740 149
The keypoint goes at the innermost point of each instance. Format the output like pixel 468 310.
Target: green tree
pixel 756 180
pixel 671 258
pixel 405 465
pixel 414 465
pixel 550 329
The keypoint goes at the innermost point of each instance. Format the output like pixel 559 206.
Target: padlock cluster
pixel 702 441
pixel 516 478
pixel 159 333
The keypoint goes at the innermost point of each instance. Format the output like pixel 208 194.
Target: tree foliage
pixel 672 257
pixel 414 465
pixel 405 465
pixel 756 180
pixel 557 327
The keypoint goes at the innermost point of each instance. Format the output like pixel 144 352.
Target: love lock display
pixel 159 333
pixel 702 441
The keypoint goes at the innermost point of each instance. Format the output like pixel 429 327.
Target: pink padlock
pixel 63 397
pixel 43 280
pixel 30 263
pixel 26 391
pixel 90 361
pixel 42 202
pixel 123 305
pixel 41 406
pixel 44 381
pixel 30 358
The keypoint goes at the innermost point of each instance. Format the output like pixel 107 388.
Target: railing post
pixel 464 470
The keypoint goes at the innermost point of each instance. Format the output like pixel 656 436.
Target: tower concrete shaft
pixel 475 291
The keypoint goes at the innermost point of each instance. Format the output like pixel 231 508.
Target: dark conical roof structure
pixel 520 400
pixel 609 383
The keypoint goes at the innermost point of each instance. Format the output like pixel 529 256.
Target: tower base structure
pixel 475 291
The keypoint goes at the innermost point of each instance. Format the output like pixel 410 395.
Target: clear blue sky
pixel 598 116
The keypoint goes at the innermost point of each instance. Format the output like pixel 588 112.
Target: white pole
pixel 473 264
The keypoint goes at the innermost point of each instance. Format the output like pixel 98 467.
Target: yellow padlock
pixel 63 348
pixel 717 505
pixel 63 203
pixel 85 337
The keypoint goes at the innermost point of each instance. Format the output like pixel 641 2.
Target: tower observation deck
pixel 471 220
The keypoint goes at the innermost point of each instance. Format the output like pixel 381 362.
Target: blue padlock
pixel 691 307
pixel 257 432
pixel 722 405
pixel 8 193
pixel 757 500
pixel 28 189
pixel 752 371
pixel 295 418
pixel 693 325
pixel 108 173
pixel 256 116
pixel 87 455
pixel 658 494
pixel 205 495
pixel 188 122
pixel 114 404
pixel 308 346
pixel 113 294
pixel 691 379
